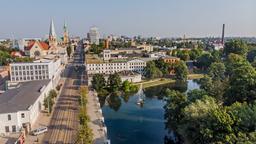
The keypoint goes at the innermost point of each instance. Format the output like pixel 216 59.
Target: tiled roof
pixel 42 45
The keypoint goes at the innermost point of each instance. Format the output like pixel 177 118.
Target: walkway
pixel 96 119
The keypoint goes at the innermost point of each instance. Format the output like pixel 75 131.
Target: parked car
pixel 39 131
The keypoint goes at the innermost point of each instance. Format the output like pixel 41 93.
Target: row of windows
pixel 29 78
pixel 29 72
pixel 29 67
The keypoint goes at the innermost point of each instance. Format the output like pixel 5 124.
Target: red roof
pixel 42 45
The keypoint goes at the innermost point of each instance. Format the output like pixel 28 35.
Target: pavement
pixel 96 123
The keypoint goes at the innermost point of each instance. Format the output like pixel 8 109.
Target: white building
pixel 94 35
pixel 38 70
pixel 136 65
pixel 20 107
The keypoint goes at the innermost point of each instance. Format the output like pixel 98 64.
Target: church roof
pixel 52 29
pixel 42 45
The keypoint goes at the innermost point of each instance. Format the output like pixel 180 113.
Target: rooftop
pixel 21 98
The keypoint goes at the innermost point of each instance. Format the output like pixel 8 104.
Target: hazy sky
pixel 164 18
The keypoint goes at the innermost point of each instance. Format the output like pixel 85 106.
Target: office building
pixel 94 36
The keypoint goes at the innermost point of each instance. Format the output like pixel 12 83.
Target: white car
pixel 39 131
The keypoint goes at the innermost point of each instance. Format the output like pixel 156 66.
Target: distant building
pixel 94 36
pixel 20 107
pixel 36 49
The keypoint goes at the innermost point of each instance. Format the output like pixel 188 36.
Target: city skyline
pixel 203 18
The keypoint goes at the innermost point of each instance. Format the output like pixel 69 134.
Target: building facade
pixel 20 107
pixel 37 70
pixel 135 65
pixel 36 49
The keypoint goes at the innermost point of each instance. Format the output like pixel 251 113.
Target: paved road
pixel 64 123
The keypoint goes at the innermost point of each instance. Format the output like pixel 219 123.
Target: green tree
pixel 114 82
pixel 195 53
pixel 242 85
pixel 251 56
pixel 183 55
pixel 204 61
pixel 162 66
pixel 151 71
pixel 236 46
pixel 217 71
pixel 181 71
pixel 98 82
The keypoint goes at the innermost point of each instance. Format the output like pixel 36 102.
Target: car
pixel 39 131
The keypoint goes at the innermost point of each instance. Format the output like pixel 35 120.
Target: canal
pixel 130 123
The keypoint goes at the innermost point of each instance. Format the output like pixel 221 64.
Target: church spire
pixel 52 29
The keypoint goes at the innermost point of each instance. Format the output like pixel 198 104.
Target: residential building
pixel 20 107
pixel 94 35
pixel 38 70
pixel 36 49
pixel 170 60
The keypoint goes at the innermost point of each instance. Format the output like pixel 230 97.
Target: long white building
pixel 20 107
pixel 94 65
pixel 38 70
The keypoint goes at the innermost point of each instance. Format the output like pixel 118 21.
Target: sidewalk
pixel 96 119
pixel 43 120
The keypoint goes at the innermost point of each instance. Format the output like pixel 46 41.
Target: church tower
pixel 52 36
pixel 65 34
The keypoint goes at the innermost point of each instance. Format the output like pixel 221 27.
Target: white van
pixel 39 131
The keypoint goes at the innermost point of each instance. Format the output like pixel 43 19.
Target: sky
pixel 160 18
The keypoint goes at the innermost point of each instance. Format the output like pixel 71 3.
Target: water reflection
pixel 128 123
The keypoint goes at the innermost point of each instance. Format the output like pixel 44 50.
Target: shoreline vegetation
pixel 162 81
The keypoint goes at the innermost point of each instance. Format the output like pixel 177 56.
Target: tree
pixel 162 66
pixel 234 61
pixel 151 71
pixel 204 61
pixel 236 46
pixel 217 71
pixel 69 50
pixel 181 71
pixel 251 56
pixel 114 82
pixel 242 85
pixel 195 53
pixel 128 87
pixel 183 55
pixel 98 82
pixel 175 103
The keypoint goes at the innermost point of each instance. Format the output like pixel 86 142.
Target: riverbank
pixel 162 81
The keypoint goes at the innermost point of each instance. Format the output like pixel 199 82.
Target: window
pixel 9 117
pixel 22 115
pixel 13 128
pixel 7 129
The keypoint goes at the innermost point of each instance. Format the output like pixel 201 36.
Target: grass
pixel 162 81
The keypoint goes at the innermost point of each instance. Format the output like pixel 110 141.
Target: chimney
pixel 223 34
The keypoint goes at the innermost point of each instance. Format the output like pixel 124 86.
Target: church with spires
pixel 56 44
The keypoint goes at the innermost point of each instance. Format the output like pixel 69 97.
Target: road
pixel 63 127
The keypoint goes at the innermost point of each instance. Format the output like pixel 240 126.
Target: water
pixel 129 123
